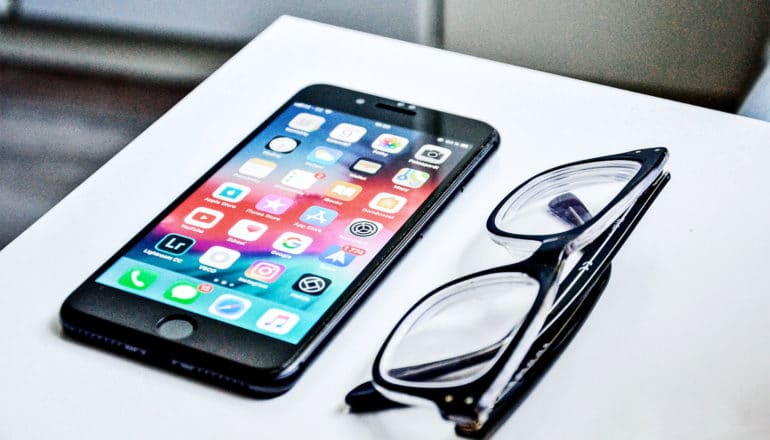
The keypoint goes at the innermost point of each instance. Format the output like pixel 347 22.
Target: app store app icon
pixel 318 216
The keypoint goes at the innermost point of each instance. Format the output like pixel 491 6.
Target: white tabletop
pixel 675 348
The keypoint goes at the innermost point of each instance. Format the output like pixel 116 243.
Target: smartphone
pixel 244 277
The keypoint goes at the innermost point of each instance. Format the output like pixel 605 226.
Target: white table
pixel 676 347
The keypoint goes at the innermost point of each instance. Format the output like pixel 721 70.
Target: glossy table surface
pixel 675 348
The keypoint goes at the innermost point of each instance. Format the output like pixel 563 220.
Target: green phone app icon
pixel 137 278
pixel 182 292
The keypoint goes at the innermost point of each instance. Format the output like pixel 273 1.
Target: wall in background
pixel 240 20
pixel 757 103
pixel 706 51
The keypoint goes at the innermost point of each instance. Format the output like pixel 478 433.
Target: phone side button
pixel 176 327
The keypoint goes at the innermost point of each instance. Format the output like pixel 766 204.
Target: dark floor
pixel 57 128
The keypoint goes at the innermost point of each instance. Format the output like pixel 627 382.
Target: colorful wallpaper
pixel 275 236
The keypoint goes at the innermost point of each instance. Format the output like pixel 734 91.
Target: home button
pixel 176 327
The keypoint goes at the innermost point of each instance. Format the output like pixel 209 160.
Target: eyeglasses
pixel 476 346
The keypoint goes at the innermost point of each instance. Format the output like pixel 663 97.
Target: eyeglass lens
pixel 563 199
pixel 456 336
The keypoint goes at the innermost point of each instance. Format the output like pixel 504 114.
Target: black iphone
pixel 241 280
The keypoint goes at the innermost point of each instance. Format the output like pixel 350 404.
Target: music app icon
pixel 277 321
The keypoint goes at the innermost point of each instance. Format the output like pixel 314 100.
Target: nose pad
pixel 569 209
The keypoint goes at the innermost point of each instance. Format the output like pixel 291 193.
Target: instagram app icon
pixel 264 271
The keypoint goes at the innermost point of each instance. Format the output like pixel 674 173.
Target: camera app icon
pixel 433 154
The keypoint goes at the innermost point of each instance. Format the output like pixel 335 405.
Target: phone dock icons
pixel 182 292
pixel 229 306
pixel 138 279
pixel 277 321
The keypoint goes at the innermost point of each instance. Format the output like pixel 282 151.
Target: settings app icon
pixel 361 227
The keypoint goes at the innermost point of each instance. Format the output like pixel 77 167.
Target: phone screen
pixel 276 235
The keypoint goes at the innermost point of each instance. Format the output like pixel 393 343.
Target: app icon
pixel 390 143
pixel 219 257
pixel 311 284
pixel 274 204
pixel 433 154
pixel 182 292
pixel 229 306
pixel 299 179
pixel 282 144
pixel 366 166
pixel 138 279
pixel 306 122
pixel 347 133
pixel 337 256
pixel 203 217
pixel 258 168
pixel 361 227
pixel 318 216
pixel 264 271
pixel 231 192
pixel 247 230
pixel 344 191
pixel 410 178
pixel 292 243
pixel 387 202
pixel 324 155
pixel 277 321
pixel 175 244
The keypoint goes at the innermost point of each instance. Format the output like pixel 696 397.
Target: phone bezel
pixel 265 364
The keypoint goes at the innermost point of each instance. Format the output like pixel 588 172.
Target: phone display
pixel 274 237
pixel 246 274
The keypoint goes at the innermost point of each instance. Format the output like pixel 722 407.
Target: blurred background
pixel 80 78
